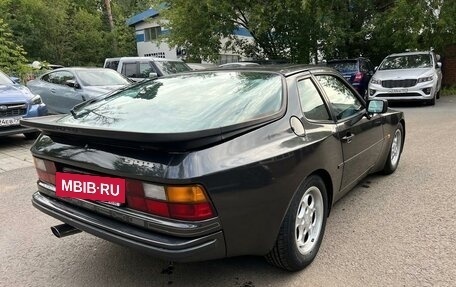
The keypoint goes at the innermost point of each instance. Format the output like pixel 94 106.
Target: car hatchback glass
pixel 185 103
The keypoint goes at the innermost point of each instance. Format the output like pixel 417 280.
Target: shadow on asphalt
pixel 9 141
pixel 409 104
pixel 148 271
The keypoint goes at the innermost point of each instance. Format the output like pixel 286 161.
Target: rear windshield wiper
pixel 94 100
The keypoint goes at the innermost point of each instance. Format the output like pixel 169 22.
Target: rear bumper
pixel 162 246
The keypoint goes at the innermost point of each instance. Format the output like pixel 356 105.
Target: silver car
pixel 62 89
pixel 407 76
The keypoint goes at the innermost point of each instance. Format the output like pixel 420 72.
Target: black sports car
pixel 214 164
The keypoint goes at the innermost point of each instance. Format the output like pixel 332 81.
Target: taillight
pixel 178 202
pixel 358 77
pixel 45 169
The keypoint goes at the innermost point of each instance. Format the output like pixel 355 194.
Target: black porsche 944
pixel 214 164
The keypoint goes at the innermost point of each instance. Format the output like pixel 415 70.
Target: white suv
pixel 407 76
pixel 140 68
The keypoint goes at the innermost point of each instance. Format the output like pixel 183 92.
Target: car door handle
pixel 52 90
pixel 348 138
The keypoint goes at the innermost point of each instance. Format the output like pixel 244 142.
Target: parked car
pixel 408 76
pixel 17 102
pixel 140 68
pixel 62 89
pixel 253 167
pixel 357 72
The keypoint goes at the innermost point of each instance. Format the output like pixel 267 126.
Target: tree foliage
pixel 81 32
pixel 72 32
pixel 307 30
pixel 12 55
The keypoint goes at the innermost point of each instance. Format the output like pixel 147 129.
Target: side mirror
pixel 153 75
pixel 72 84
pixel 377 106
pixel 439 65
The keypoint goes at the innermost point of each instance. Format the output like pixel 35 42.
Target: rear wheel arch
pixel 402 121
pixel 326 177
pixel 287 252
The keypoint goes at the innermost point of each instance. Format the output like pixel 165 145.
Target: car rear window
pixel 407 62
pixel 344 66
pixel 186 103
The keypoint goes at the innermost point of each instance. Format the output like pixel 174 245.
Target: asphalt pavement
pixel 397 230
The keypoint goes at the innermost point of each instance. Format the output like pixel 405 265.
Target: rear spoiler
pixel 48 125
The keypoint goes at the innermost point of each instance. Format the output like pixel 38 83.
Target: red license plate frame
pixel 90 187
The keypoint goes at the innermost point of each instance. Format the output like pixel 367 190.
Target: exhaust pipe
pixel 63 230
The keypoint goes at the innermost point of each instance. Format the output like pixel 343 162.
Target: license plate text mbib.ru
pixel 90 187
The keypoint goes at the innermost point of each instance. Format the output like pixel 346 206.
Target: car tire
pixel 303 227
pixel 32 135
pixel 395 151
pixel 431 102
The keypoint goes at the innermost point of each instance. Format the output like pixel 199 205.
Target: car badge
pixel 3 108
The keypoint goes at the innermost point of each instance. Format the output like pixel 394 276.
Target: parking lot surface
pixel 15 153
pixel 396 230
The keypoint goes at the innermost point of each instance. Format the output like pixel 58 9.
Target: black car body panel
pixel 250 176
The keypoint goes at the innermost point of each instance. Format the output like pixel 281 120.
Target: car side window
pixel 363 67
pixel 112 64
pixel 342 101
pixel 145 68
pixel 46 77
pixel 312 104
pixel 58 78
pixel 129 70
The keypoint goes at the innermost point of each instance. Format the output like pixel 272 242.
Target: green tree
pixel 12 55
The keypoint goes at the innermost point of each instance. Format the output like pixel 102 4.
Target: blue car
pixel 17 102
pixel 357 72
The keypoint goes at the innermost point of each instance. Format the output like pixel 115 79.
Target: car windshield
pixel 406 62
pixel 4 79
pixel 185 103
pixel 344 66
pixel 101 77
pixel 172 67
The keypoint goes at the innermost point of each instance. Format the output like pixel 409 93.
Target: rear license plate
pixel 398 91
pixel 9 122
pixel 91 187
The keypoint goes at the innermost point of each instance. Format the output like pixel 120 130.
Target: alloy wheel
pixel 309 220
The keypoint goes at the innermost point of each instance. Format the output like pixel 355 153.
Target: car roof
pixel 149 59
pixel 409 53
pixel 346 60
pixel 77 69
pixel 239 64
pixel 284 69
pixel 80 69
